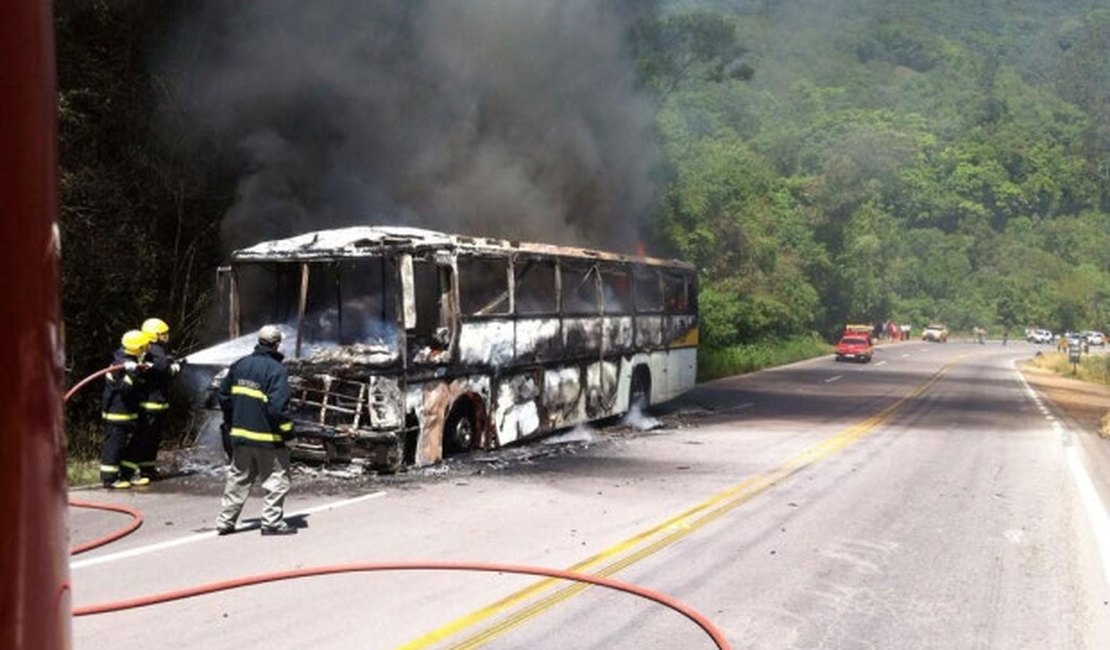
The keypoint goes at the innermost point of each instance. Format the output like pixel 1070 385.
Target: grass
pixel 739 359
pixel 82 472
pixel 1092 368
pixel 83 454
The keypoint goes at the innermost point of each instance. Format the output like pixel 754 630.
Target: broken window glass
pixel 483 286
pixel 579 289
pixel 676 293
pixel 535 287
pixel 617 289
pixel 649 291
pixel 267 294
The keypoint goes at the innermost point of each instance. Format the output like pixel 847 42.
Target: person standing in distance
pixel 253 397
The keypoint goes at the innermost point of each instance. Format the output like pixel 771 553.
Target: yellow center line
pixel 670 531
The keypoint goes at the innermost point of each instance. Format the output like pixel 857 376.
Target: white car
pixel 1039 336
pixel 1095 338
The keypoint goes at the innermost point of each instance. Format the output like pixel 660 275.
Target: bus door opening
pixel 431 332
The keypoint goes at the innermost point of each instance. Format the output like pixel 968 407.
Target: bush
pixel 739 359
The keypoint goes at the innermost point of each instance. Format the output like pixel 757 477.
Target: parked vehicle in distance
pixel 1095 338
pixel 855 348
pixel 1039 336
pixel 858 329
pixel 935 333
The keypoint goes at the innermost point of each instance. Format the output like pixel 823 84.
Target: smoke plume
pixel 508 118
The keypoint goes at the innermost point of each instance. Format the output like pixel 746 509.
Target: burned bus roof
pixel 360 241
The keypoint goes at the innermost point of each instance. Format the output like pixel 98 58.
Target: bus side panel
pixel 486 343
pixel 681 371
pixel 563 391
pixel 682 331
pixel 582 336
pixel 516 411
pixel 431 401
pixel 618 336
pixel 602 389
pixel 649 332
pixel 537 340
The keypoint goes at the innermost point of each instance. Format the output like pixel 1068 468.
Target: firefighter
pixel 122 392
pixel 141 455
pixel 253 396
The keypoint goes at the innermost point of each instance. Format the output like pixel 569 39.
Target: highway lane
pixel 922 500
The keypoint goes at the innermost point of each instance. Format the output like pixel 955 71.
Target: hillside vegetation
pixel 862 160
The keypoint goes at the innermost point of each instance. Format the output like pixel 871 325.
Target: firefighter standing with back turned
pixel 122 391
pixel 253 397
pixel 141 455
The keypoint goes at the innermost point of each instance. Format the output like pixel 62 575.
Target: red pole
pixel 34 569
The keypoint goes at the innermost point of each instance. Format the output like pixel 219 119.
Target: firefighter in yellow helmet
pixel 123 390
pixel 140 457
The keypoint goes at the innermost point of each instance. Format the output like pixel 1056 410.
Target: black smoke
pixel 509 118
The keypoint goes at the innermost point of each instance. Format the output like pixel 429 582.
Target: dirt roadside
pixel 1086 405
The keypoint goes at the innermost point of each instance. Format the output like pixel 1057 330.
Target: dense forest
pixel 820 161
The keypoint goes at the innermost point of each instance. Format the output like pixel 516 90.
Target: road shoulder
pixel 1085 404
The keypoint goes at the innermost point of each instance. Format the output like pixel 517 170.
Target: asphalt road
pixel 925 500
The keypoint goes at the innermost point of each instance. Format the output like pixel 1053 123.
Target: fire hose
pixel 81 384
pixel 355 567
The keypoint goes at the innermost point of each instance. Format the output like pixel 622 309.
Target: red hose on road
pixel 363 567
pixel 136 516
pixel 136 521
pixel 663 599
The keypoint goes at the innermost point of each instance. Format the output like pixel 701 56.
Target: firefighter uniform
pixel 253 397
pixel 142 454
pixel 120 413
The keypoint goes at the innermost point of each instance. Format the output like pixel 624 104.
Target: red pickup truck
pixel 855 347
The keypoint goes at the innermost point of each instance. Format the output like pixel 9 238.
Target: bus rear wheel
pixel 639 390
pixel 460 432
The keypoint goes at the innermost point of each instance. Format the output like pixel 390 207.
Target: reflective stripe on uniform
pixel 109 469
pixel 286 426
pixel 249 392
pixel 119 417
pixel 129 465
pixel 236 432
pixel 154 406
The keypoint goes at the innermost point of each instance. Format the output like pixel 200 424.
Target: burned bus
pixel 406 345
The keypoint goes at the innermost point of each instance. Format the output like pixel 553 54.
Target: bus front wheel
pixel 460 432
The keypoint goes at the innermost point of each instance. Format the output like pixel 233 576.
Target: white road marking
pixel 188 539
pixel 880 363
pixel 1088 495
pixel 905 356
pixel 1096 511
pixel 745 405
pixel 832 379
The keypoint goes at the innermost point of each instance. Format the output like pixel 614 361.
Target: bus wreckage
pixel 406 345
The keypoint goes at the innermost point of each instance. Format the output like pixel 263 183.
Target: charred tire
pixel 639 389
pixel 460 431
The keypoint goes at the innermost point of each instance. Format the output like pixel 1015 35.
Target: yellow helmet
pixel 134 342
pixel 156 328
